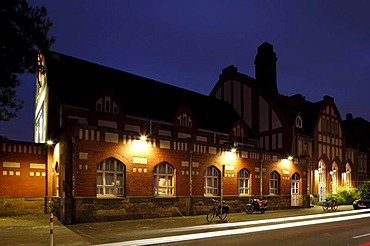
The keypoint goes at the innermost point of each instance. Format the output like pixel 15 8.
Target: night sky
pixel 323 47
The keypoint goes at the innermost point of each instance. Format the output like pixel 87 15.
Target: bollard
pixel 51 229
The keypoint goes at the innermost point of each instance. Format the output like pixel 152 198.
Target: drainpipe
pixel 261 177
pixel 73 180
pixel 190 181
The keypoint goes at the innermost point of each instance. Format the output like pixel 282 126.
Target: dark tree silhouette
pixel 24 31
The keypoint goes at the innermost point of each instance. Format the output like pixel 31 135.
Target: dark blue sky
pixel 323 47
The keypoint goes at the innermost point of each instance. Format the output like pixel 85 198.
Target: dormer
pixel 299 121
pixel 184 123
pixel 107 105
pixel 238 132
pixel 184 120
pixel 107 111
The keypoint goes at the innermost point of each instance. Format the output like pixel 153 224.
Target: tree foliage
pixel 24 31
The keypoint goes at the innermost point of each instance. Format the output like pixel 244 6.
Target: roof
pixel 79 83
pixel 357 131
pixel 297 104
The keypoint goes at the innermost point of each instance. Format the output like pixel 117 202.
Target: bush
pixel 364 188
pixel 346 196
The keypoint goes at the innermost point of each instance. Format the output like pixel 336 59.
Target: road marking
pixel 187 237
pixel 265 221
pixel 363 235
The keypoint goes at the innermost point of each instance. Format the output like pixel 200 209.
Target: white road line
pixel 363 235
pixel 187 237
pixel 265 221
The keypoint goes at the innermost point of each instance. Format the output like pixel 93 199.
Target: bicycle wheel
pixel 211 214
pixel 223 215
pixel 325 206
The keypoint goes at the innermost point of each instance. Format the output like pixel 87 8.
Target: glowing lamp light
pixel 143 138
pixel 230 155
pixel 49 142
pixel 140 145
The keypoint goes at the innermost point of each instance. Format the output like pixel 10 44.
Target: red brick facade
pixel 23 169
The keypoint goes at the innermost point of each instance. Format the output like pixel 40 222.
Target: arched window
pixel 322 181
pixel 298 121
pixel 163 180
pixel 211 181
pixel 347 176
pixel 243 182
pixel 334 178
pixel 274 183
pixel 110 178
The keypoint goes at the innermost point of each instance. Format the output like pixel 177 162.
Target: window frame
pixel 274 183
pixel 245 179
pixel 117 173
pixel 213 174
pixel 168 175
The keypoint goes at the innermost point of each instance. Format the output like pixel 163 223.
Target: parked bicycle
pixel 330 203
pixel 217 211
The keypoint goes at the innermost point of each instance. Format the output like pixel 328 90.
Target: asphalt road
pixel 34 229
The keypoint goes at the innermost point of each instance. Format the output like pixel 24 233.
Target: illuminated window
pixel 334 178
pixel 163 180
pixel 347 176
pixel 39 126
pixel 274 183
pixel 41 69
pixel 110 178
pixel 211 181
pixel 243 182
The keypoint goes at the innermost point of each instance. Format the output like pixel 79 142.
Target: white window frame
pixel 112 170
pixel 243 182
pixel 274 183
pixel 211 181
pixel 298 122
pixel 164 180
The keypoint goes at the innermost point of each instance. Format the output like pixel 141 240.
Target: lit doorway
pixel 295 190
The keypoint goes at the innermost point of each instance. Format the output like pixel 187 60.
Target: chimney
pixel 265 67
pixel 349 117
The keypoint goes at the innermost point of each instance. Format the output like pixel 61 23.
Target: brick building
pixel 23 176
pixel 125 146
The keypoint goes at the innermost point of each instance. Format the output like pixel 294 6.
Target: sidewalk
pixel 34 229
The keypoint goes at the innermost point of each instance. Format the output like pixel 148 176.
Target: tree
pixel 24 31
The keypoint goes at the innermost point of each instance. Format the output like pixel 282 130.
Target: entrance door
pixel 295 190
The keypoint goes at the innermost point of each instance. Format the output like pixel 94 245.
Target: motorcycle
pixel 256 205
